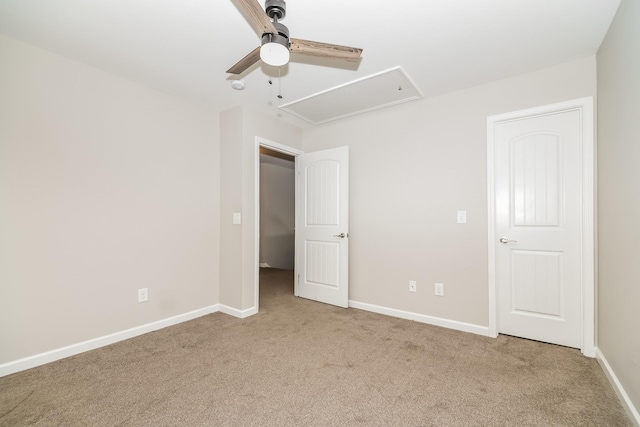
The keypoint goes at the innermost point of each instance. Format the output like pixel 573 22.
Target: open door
pixel 322 226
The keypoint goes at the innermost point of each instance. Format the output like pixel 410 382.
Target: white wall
pixel 619 198
pixel 239 128
pixel 105 187
pixel 277 212
pixel 412 167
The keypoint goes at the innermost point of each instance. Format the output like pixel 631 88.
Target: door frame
pixel 587 200
pixel 281 148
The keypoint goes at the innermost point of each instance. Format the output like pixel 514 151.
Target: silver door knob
pixel 341 235
pixel 504 240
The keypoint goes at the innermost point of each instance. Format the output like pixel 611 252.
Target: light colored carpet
pixel 302 363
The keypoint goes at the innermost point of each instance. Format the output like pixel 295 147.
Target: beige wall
pixel 105 187
pixel 239 153
pixel 277 212
pixel 619 197
pixel 230 202
pixel 412 167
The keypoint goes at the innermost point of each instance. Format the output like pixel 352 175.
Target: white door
pixel 538 223
pixel 322 226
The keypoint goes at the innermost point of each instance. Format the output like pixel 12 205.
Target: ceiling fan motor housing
pixel 276 9
pixel 282 37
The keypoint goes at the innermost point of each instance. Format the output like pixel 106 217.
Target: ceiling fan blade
pixel 246 62
pixel 258 18
pixel 325 50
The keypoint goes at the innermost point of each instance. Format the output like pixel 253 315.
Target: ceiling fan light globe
pixel 274 54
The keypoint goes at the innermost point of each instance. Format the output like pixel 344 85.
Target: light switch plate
pixel 143 295
pixel 462 217
pixel 237 218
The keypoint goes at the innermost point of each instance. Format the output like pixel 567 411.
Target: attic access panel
pixel 369 93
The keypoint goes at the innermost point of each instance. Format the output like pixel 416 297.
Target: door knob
pixel 504 240
pixel 341 235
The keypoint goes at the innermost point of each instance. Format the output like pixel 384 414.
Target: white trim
pixel 92 344
pixel 617 386
pixel 491 215
pixel 588 229
pixel 585 106
pixel 275 146
pixel 422 318
pixel 237 313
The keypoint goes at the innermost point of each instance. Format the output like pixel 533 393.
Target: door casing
pixel 587 195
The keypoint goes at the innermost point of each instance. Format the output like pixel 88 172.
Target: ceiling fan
pixel 276 44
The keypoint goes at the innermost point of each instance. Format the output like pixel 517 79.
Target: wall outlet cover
pixel 412 286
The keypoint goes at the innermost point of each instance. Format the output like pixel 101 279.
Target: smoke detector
pixel 238 84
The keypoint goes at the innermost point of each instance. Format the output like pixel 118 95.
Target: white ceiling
pixel 183 47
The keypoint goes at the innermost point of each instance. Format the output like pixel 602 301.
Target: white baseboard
pixel 422 318
pixel 71 350
pixel 237 313
pixel 620 391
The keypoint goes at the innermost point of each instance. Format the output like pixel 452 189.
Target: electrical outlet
pixel 143 295
pixel 439 289
pixel 412 285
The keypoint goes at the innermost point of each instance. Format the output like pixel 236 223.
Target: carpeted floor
pixel 302 363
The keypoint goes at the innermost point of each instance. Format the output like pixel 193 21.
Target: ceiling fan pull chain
pixel 279 85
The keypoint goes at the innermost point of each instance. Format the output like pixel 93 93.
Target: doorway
pixel 281 153
pixel 277 222
pixel 321 250
pixel 541 224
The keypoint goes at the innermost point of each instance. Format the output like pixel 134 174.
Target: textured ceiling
pixel 184 47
